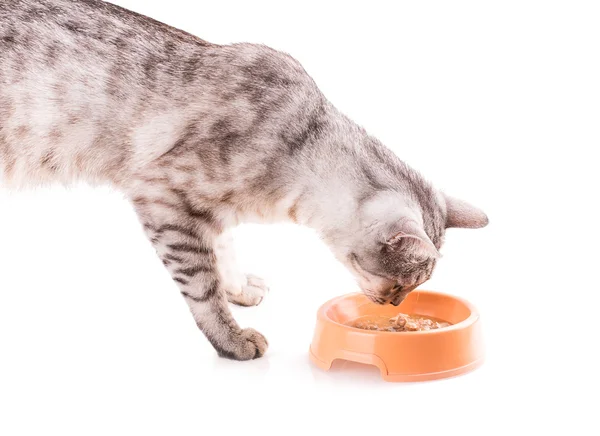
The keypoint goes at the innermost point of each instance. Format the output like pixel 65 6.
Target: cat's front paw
pixel 251 293
pixel 247 345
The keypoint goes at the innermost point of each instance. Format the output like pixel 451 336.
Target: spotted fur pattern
pixel 202 137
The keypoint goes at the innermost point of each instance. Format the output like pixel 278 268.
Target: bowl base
pixel 399 378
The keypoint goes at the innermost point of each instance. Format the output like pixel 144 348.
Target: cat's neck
pixel 348 168
pixel 339 176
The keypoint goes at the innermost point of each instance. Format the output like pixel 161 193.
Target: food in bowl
pixel 400 323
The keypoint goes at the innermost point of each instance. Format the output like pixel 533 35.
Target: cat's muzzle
pixel 399 294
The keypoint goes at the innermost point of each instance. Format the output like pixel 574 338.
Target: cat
pixel 202 137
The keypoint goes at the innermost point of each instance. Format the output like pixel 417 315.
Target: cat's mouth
pixel 379 289
pixel 399 295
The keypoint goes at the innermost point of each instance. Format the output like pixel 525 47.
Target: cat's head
pixel 397 238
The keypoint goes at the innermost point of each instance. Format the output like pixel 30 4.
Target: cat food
pixel 400 323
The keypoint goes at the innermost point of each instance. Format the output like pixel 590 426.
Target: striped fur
pixel 202 137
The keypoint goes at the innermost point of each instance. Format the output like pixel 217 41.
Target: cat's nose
pixel 399 295
pixel 402 292
pixel 398 299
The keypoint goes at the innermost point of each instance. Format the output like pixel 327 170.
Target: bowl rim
pixel 470 320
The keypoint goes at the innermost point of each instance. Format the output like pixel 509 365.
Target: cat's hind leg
pixel 241 289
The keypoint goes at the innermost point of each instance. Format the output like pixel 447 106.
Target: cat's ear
pixel 463 215
pixel 422 245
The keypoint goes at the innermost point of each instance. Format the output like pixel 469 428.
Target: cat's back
pixel 90 88
pixel 84 31
pixel 104 51
pixel 97 16
pixel 75 76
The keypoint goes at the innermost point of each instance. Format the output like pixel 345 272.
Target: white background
pixel 495 102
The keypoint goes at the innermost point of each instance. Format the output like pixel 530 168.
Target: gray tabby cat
pixel 202 137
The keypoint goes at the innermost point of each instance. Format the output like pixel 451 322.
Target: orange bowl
pixel 405 356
